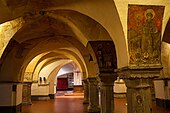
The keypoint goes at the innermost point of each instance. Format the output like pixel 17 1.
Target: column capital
pixel 138 83
pixel 134 72
pixel 92 80
pixel 107 78
pixel 85 81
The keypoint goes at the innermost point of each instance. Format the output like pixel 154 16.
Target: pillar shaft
pixel 86 91
pixel 139 82
pixel 26 94
pixel 139 95
pixel 93 96
pixel 106 95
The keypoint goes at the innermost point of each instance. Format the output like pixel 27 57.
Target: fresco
pixel 7 31
pixel 28 77
pixel 144 34
pixel 105 54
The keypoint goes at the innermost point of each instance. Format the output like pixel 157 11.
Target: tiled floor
pixel 73 104
pixel 62 104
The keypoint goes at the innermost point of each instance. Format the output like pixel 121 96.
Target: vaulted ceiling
pixel 74 21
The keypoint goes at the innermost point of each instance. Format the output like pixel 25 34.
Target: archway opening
pixel 69 80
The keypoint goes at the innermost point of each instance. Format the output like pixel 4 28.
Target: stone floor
pixel 73 104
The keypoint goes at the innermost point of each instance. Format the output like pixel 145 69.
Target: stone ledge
pixel 167 78
pixel 139 72
pixel 11 109
pixel 163 103
pixel 119 95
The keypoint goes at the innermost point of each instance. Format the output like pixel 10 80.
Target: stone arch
pixel 114 28
pixel 34 65
pixel 53 73
pixel 21 39
pixel 80 65
pixel 69 16
pixel 52 76
pixel 25 62
pixel 71 54
pixel 40 65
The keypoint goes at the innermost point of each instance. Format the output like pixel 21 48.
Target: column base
pixel 26 103
pixel 94 110
pixel 52 96
pixel 85 102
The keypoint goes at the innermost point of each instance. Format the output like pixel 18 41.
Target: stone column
pixel 86 91
pixel 106 89
pixel 93 96
pixel 26 93
pixel 139 82
pixel 139 95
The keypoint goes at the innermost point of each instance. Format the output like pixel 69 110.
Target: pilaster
pixel 93 96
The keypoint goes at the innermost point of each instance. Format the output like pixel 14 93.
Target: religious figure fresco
pixel 105 54
pixel 144 34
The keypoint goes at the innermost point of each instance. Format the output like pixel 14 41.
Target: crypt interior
pixel 102 50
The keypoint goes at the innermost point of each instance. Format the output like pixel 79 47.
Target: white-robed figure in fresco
pixel 149 29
